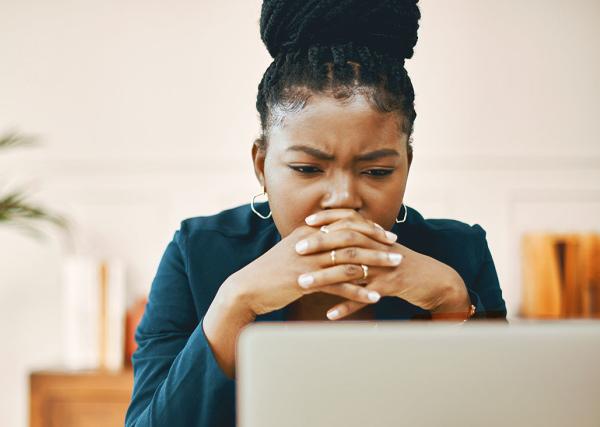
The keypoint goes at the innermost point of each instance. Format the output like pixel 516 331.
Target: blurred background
pixel 144 114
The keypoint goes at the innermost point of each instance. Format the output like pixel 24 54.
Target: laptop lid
pixel 418 374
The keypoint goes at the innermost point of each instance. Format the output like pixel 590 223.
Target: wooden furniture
pixel 561 275
pixel 79 399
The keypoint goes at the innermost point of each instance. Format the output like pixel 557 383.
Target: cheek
pixel 281 183
pixel 289 200
pixel 284 183
pixel 387 190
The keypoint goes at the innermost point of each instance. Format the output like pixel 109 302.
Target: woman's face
pixel 334 155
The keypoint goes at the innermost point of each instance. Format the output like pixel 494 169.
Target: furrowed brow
pixel 311 151
pixel 373 155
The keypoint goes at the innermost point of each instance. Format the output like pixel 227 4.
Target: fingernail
pixel 373 296
pixel 301 246
pixel 311 219
pixel 395 258
pixel 390 236
pixel 305 280
pixel 333 314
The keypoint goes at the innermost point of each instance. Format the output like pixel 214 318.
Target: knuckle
pixel 343 223
pixel 344 289
pixel 351 253
pixel 319 240
pixel 347 237
pixel 351 270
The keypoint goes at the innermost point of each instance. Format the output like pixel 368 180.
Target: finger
pixel 352 292
pixel 344 309
pixel 330 276
pixel 354 255
pixel 331 215
pixel 341 218
pixel 320 242
pixel 366 227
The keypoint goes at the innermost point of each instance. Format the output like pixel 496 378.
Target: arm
pixel 223 322
pixel 177 379
pixel 485 292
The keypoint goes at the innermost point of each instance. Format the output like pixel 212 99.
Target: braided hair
pixel 341 48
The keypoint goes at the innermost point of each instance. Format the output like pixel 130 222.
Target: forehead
pixel 332 124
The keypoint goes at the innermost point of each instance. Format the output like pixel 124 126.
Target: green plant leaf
pixel 14 208
pixel 14 139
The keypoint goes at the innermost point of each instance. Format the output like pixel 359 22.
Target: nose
pixel 341 193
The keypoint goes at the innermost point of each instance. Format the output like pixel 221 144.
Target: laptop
pixel 394 373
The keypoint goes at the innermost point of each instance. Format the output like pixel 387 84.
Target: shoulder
pixel 465 248
pixel 443 226
pixel 215 246
pixel 238 223
pixel 445 239
pixel 225 242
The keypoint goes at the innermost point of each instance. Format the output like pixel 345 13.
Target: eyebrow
pixel 373 155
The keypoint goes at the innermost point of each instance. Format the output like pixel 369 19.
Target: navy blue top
pixel 177 381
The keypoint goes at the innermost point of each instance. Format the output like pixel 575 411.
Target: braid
pixel 341 48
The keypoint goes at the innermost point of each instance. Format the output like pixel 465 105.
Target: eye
pixel 378 173
pixel 306 170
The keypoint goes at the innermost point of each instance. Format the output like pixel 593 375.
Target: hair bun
pixel 389 26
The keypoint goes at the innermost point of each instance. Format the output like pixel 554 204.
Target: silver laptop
pixel 372 374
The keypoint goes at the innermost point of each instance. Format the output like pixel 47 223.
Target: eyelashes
pixel 306 170
pixel 313 170
pixel 379 172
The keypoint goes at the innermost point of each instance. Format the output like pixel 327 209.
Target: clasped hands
pixel 362 247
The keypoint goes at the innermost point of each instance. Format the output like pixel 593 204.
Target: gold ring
pixel 332 254
pixel 365 271
pixel 324 229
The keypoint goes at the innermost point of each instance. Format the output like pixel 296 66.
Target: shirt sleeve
pixel 484 291
pixel 177 380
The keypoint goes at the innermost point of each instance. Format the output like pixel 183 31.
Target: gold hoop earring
pixel 405 214
pixel 264 193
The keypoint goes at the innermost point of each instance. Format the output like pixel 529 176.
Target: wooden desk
pixel 79 399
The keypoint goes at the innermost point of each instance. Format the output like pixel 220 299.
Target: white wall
pixel 146 114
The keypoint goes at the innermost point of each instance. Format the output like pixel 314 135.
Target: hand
pixel 273 280
pixel 419 279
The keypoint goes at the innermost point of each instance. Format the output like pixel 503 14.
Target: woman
pixel 334 241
